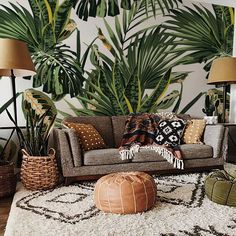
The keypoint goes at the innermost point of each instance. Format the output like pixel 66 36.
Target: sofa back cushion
pixel 101 123
pixel 118 123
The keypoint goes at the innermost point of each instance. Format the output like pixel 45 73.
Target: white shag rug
pixel 181 209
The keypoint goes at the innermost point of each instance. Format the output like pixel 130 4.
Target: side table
pixel 231 154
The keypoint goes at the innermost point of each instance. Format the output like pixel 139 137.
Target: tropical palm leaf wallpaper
pixel 118 57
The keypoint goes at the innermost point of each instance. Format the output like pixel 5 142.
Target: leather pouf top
pixel 220 187
pixel 125 192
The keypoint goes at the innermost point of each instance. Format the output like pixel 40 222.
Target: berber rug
pixel 181 210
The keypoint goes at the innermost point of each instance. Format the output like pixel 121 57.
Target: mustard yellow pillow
pixel 194 131
pixel 89 137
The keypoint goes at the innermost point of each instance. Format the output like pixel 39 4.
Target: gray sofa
pixel 79 165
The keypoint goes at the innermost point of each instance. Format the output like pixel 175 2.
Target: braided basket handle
pixel 51 152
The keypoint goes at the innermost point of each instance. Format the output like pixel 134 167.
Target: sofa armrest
pixel 76 149
pixel 214 136
pixel 68 150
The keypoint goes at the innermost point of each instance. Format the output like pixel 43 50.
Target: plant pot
pixel 7 179
pixel 39 172
pixel 211 120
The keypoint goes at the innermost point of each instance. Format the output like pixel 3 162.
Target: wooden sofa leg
pixel 68 181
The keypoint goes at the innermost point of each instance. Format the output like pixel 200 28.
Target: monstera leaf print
pixel 58 68
pixel 139 60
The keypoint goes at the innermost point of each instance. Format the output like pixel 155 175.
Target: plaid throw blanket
pixel 140 133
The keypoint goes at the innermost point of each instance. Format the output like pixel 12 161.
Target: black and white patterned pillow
pixel 169 132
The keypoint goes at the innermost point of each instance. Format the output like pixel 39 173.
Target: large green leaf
pixel 62 16
pixel 38 102
pixel 203 35
pixel 86 8
pixel 167 101
pixel 192 102
pixel 149 104
pixel 59 70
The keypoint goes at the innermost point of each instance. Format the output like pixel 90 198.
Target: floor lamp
pixel 15 61
pixel 223 73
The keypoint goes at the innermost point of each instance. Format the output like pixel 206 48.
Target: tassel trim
pixel 129 153
pixel 166 154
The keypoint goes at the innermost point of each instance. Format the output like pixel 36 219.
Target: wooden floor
pixel 5 205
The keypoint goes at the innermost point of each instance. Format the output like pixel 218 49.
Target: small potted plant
pixel 39 168
pixel 211 109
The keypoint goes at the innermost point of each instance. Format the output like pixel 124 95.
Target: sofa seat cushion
pixel 196 151
pixel 145 155
pixel 189 151
pixel 103 157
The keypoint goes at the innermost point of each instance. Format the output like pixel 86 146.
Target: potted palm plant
pixel 39 168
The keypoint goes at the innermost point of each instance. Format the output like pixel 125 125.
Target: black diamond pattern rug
pixel 181 210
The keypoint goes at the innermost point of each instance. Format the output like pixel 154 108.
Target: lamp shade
pixel 223 71
pixel 14 55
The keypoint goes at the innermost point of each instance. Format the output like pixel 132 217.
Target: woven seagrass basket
pixel 7 179
pixel 39 172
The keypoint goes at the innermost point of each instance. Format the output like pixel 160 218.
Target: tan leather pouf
pixel 125 192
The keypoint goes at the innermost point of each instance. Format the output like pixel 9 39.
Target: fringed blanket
pixel 140 133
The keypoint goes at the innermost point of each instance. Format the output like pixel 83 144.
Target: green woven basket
pixel 220 188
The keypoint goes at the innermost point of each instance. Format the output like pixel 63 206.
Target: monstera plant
pixel 44 30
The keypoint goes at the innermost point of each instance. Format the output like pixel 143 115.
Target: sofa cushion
pixel 118 123
pixel 103 157
pixel 196 151
pixel 169 132
pixel 101 123
pixel 213 136
pixel 194 131
pixel 145 155
pixel 189 151
pixel 89 137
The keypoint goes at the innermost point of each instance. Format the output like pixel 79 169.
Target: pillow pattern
pixel 194 131
pixel 89 137
pixel 167 115
pixel 169 132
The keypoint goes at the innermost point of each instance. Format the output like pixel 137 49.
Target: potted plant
pixel 211 109
pixel 7 175
pixel 39 168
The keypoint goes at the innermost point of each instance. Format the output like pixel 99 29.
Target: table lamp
pixel 223 73
pixel 15 61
